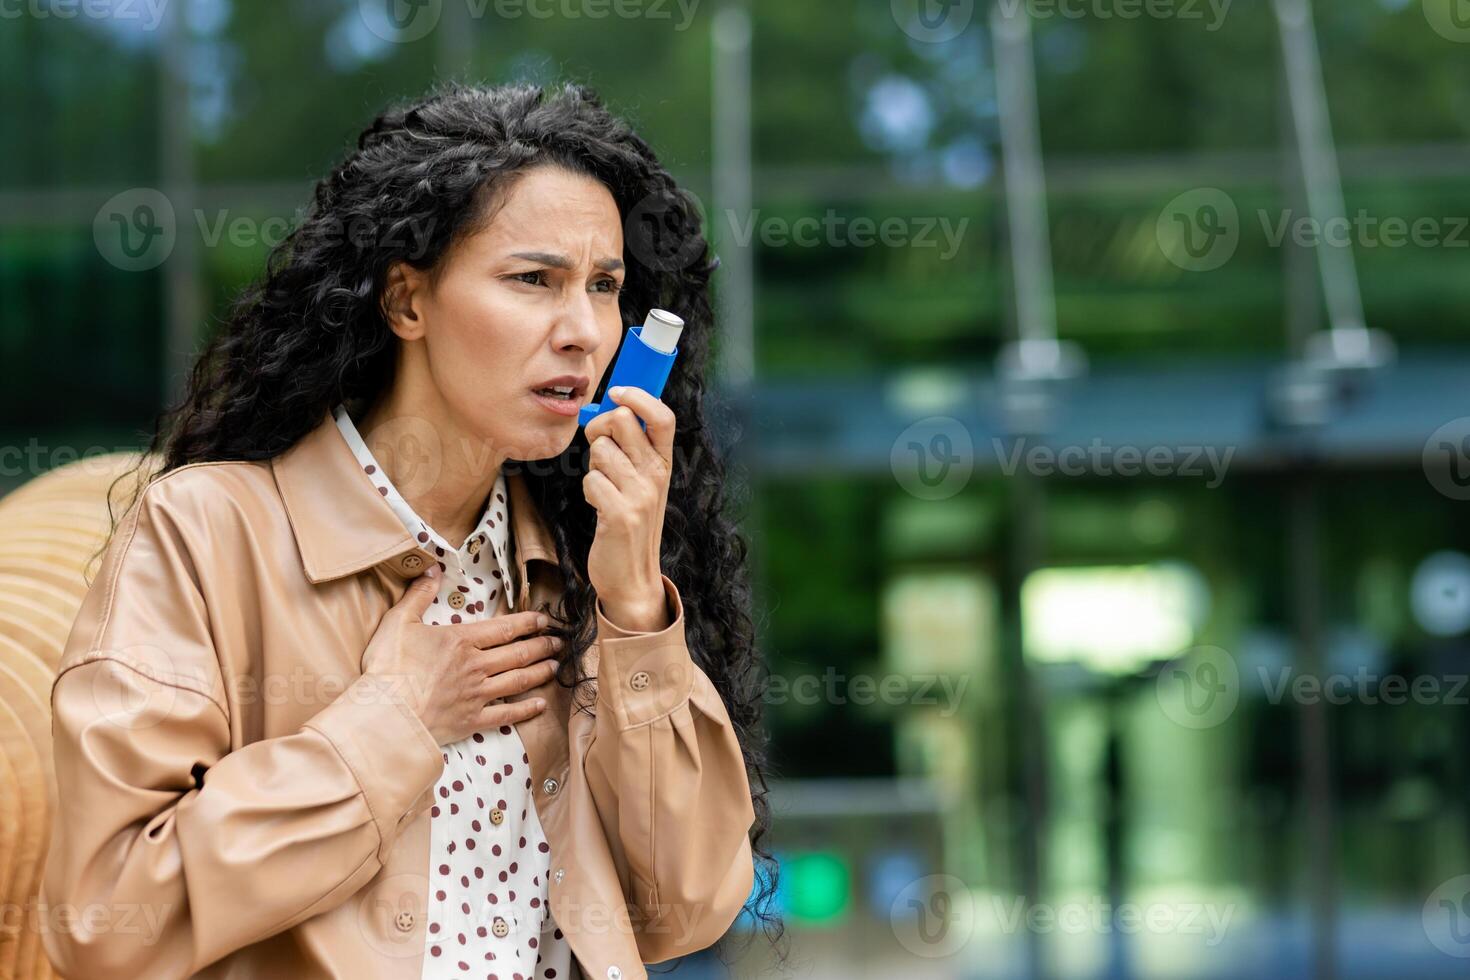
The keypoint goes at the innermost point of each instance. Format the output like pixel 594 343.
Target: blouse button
pixel 551 786
pixel 456 599
pixel 497 816
pixel 474 546
pixel 411 563
pixel 404 921
pixel 613 973
pixel 639 680
pixel 500 927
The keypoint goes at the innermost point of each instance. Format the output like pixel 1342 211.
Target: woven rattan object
pixel 51 531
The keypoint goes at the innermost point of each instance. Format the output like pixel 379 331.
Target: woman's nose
pixel 577 327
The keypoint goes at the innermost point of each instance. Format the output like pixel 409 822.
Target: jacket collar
pixel 343 525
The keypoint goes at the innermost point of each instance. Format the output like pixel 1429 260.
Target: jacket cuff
pixel 387 747
pixel 644 675
pixel 608 629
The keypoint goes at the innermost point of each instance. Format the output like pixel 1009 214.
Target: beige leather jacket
pixel 238 800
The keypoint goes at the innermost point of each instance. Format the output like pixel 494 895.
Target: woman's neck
pixel 444 472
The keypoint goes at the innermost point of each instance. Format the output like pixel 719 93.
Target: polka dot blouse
pixel 487 911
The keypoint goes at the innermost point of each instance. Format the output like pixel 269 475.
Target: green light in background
pixel 1113 619
pixel 816 887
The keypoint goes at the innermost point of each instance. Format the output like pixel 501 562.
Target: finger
pixel 518 654
pixel 499 630
pixel 417 598
pixel 658 416
pixel 599 491
pixel 623 428
pixel 509 712
pixel 503 685
pixel 610 460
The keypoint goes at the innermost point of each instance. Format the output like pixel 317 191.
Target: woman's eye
pixel 533 278
pixel 608 286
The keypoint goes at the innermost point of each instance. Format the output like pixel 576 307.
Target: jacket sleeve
pixel 169 850
pixel 665 766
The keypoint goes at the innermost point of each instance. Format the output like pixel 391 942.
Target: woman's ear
pixel 402 304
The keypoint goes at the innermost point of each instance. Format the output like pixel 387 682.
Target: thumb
pixel 417 598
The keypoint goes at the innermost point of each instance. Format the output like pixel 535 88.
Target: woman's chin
pixel 550 441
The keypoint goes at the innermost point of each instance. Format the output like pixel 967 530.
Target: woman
pixel 391 671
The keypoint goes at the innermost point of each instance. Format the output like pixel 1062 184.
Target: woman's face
pixel 531 299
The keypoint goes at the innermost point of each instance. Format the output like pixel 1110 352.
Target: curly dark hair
pixel 312 332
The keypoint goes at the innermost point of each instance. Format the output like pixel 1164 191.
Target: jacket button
pixel 551 786
pixel 613 973
pixel 639 680
pixel 500 927
pixel 456 599
pixel 404 921
pixel 497 816
pixel 411 563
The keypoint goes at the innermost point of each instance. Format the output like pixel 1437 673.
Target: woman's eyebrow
pixel 558 261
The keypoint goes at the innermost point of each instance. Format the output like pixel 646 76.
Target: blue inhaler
pixel 644 362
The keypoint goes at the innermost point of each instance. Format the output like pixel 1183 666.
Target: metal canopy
pixel 830 427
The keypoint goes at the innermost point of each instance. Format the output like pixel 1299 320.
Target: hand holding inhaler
pixel 630 439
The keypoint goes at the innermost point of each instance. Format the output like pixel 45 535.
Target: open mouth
pixel 564 393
